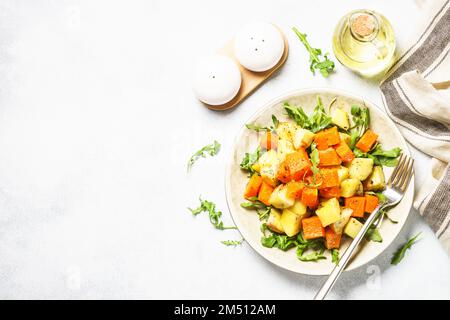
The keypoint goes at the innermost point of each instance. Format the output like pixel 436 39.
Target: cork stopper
pixel 364 26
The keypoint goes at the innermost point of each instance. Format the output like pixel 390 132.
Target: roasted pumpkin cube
pixel 264 193
pixel 312 228
pixel 367 141
pixel 295 189
pixel 310 197
pixel 332 192
pixel 332 239
pixel 253 186
pixel 329 136
pixel 344 152
pixel 294 167
pixel 329 157
pixel 357 204
pixel 371 203
pixel 328 177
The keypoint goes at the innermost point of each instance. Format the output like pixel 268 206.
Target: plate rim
pixel 261 110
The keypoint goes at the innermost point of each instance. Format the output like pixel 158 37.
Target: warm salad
pixel 314 179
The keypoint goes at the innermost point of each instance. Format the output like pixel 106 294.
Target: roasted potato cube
pixel 338 226
pixel 376 180
pixel 352 228
pixel 299 208
pixel 350 187
pixel 268 167
pixel 302 138
pixel 329 212
pixel 345 137
pixel 343 173
pixel 291 222
pixel 280 199
pixel 274 221
pixel 285 147
pixel 339 117
pixel 286 130
pixel 360 168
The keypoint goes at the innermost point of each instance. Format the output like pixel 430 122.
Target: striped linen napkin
pixel 416 95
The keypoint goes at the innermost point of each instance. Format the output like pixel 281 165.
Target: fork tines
pixel 402 173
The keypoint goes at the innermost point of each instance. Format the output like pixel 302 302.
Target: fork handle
pixel 328 284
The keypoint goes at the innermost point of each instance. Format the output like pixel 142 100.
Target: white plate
pixel 247 220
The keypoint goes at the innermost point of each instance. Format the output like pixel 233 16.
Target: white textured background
pixel 97 120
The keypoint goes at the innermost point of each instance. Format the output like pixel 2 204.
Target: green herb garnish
pixel 279 241
pixel 275 121
pixel 249 160
pixel 254 204
pixel 214 215
pixel 303 245
pixel 211 149
pixel 314 157
pixel 335 256
pixel 325 66
pixel 313 256
pixel 232 242
pixel 373 234
pixel 361 120
pixel 258 128
pixel 400 253
pixel 380 157
pixel 318 121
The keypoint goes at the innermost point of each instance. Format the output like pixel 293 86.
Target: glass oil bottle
pixel 364 42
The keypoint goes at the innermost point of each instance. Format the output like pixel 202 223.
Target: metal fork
pixel 396 188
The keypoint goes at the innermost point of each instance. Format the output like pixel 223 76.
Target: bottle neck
pixel 364 26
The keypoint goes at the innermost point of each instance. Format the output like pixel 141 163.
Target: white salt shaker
pixel 216 80
pixel 258 46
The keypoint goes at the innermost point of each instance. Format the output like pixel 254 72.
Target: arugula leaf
pixel 335 256
pixel 388 158
pixel 274 240
pixel 361 120
pixel 214 215
pixel 373 234
pixel 314 256
pixel 275 121
pixel 283 242
pixel 400 253
pixel 211 149
pixel 381 197
pixel 314 157
pixel 303 245
pixel 324 66
pixel 232 242
pixel 269 241
pixel 393 153
pixel 263 228
pixel 262 209
pixel 256 127
pixel 279 241
pixel 250 159
pixel 298 115
pixel 318 120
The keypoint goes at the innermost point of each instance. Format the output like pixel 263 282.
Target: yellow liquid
pixel 370 55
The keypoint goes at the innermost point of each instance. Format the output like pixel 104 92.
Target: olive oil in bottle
pixel 364 42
